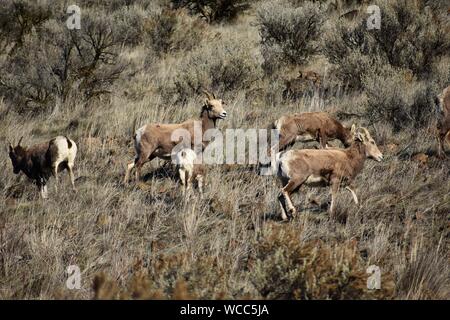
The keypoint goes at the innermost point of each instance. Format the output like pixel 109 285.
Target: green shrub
pixel 288 34
pixel 129 25
pixel 346 46
pixel 18 18
pixel 168 277
pixel 286 268
pixel 411 37
pixel 173 30
pixel 54 64
pixel 397 98
pixel 221 66
pixel 214 10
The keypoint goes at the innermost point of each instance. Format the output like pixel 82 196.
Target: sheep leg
pixel 130 167
pixel 55 174
pixel 138 162
pixel 71 175
pixel 137 174
pixel 200 185
pixel 323 140
pixel 44 191
pixel 182 174
pixel 188 181
pixel 355 198
pixel 285 199
pixel 143 158
pixel 334 191
pixel 282 202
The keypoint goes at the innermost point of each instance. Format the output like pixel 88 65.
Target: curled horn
pixel 362 133
pixel 208 94
pixel 366 132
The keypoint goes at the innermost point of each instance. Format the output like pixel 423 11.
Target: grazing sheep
pixel 189 170
pixel 41 161
pixel 307 81
pixel 155 140
pixel 319 126
pixel 311 76
pixel 330 167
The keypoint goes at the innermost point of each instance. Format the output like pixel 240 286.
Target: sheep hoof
pixel 292 213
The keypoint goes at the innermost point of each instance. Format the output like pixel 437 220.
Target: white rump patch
pixel 282 167
pixel 278 124
pixel 139 133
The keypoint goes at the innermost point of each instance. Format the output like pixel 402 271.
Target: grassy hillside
pixel 140 61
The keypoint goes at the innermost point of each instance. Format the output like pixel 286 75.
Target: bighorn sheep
pixel 319 126
pixel 444 120
pixel 189 170
pixel 333 167
pixel 155 140
pixel 40 161
pixel 307 81
pixel 312 76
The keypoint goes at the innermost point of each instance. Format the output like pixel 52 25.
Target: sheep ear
pixel 207 102
pixel 20 140
pixel 353 129
pixel 10 147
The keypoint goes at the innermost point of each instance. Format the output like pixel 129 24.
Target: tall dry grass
pixel 146 241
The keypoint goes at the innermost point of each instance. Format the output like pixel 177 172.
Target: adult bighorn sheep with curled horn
pixel 326 167
pixel 39 162
pixel 155 139
pixel 443 126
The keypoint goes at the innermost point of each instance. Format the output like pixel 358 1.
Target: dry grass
pixel 145 241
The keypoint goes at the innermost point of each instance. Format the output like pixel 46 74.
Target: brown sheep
pixel 306 81
pixel 332 167
pixel 155 140
pixel 319 126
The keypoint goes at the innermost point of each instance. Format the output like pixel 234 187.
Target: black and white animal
pixel 41 161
